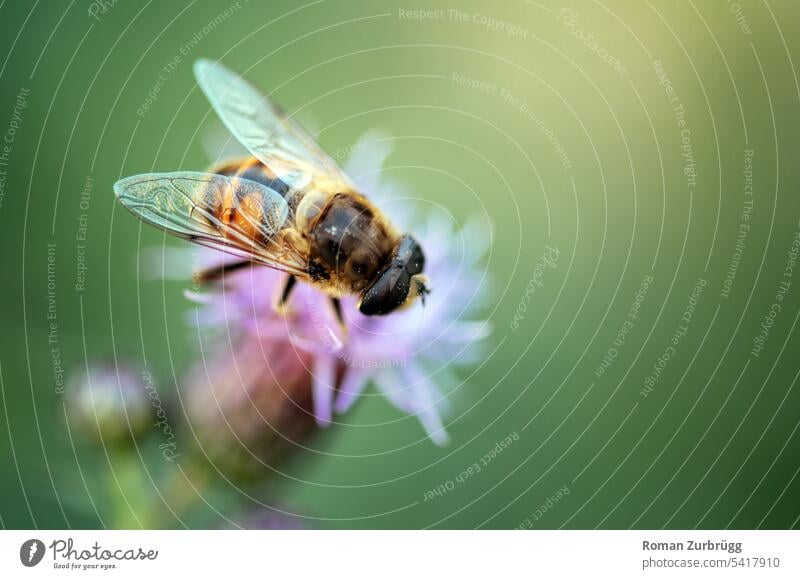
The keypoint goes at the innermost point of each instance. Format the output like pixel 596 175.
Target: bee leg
pixel 284 297
pixel 213 274
pixel 337 309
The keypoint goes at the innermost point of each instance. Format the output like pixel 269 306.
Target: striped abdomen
pixel 246 212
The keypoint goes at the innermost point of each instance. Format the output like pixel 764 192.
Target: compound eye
pixel 409 255
pixel 388 292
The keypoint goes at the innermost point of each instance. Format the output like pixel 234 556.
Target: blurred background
pixel 638 162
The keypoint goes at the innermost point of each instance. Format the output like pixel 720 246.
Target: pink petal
pixel 432 423
pixel 352 385
pixel 395 390
pixel 426 398
pixel 205 299
pixel 324 374
pixel 366 159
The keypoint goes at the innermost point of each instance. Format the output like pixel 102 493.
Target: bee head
pixel 398 284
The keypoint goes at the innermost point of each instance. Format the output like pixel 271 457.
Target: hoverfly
pixel 288 207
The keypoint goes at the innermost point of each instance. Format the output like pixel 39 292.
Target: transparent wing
pixel 269 135
pixel 235 215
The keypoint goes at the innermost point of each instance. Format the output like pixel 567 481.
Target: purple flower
pixel 408 355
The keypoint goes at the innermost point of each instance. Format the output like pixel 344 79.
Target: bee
pixel 288 207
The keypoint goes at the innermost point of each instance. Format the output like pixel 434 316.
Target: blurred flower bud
pixel 265 518
pixel 248 403
pixel 109 404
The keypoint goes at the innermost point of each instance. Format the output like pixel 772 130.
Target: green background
pixel 715 444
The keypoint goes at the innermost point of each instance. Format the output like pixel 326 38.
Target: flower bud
pixel 108 404
pixel 250 402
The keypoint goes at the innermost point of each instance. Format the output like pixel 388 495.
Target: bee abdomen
pixel 243 207
pixel 254 170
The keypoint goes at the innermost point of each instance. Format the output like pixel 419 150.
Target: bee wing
pixel 234 215
pixel 273 138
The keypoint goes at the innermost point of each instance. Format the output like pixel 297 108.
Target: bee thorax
pixel 349 238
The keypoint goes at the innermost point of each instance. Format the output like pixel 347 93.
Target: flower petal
pixel 432 423
pixel 366 159
pixel 324 374
pixel 352 385
pixel 395 390
pixel 412 393
pixel 427 399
